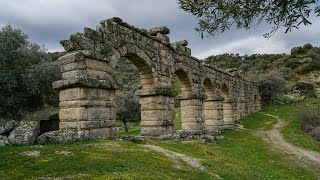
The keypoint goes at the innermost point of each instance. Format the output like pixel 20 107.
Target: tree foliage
pixel 128 81
pixel 26 74
pixel 270 85
pixel 216 16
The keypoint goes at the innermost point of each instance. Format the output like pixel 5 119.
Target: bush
pixel 292 63
pixel 312 66
pixel 25 74
pixel 310 120
pixel 305 89
pixel 270 85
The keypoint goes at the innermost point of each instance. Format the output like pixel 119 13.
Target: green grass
pixel 103 159
pixel 134 129
pixel 240 155
pixel 292 132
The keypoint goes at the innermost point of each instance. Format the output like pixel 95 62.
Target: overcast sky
pixel 49 21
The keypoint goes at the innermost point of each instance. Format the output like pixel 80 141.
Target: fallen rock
pixel 3 141
pixel 134 139
pixel 31 153
pixel 315 133
pixel 7 126
pixel 25 133
pixel 62 136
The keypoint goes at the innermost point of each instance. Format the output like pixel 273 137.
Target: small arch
pixel 146 75
pixel 208 88
pixel 225 92
pixel 185 83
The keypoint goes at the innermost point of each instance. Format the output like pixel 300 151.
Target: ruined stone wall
pixel 210 98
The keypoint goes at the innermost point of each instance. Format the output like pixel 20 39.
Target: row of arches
pixel 87 104
pixel 209 112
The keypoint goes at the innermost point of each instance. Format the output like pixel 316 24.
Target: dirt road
pixel 306 158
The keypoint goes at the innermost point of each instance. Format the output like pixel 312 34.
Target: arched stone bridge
pixel 210 98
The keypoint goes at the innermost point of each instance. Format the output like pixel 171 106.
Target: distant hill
pixel 300 68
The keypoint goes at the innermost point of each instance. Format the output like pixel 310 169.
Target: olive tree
pixel 216 16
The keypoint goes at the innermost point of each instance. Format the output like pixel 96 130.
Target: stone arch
pixel 189 111
pixel 227 105
pixel 141 60
pixel 185 83
pixel 208 88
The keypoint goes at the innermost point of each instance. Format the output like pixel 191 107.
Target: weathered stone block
pixel 84 103
pixel 69 125
pixel 107 123
pixel 97 74
pixel 83 94
pixel 89 124
pixel 62 136
pixel 25 133
pixel 73 114
pixel 102 133
pixel 96 113
pixel 155 131
pixel 73 66
pixel 73 74
pixel 7 126
pixel 97 65
pixel 3 141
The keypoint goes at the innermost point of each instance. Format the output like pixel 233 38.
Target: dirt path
pixel 174 156
pixel 306 158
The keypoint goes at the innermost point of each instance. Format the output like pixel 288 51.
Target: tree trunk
pixel 125 124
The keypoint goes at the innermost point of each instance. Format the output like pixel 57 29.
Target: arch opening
pixel 189 107
pixel 132 74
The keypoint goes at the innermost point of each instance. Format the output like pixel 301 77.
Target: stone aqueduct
pixel 210 98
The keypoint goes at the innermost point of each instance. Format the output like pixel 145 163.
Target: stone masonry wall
pixel 210 97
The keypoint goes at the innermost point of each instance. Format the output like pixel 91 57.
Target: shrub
pixel 307 47
pixel 312 66
pixel 310 120
pixel 272 84
pixel 25 74
pixel 292 63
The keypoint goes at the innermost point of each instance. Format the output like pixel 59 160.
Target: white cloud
pixel 247 45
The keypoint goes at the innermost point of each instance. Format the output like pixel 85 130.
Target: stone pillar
pixel 90 109
pixel 87 101
pixel 213 114
pixel 192 114
pixel 228 116
pixel 157 115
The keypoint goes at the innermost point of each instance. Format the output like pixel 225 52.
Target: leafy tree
pixel 25 73
pixel 216 16
pixel 270 85
pixel 128 81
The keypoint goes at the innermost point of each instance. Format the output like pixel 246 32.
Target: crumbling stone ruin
pixel 210 98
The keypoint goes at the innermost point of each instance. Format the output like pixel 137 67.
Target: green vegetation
pixel 26 74
pixel 292 131
pixel 239 155
pixel 217 16
pixel 102 159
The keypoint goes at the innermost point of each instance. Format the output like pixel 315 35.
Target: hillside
pixel 300 68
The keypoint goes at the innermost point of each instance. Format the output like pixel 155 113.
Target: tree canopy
pixel 26 74
pixel 216 16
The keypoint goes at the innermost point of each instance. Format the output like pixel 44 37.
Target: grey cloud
pixel 47 22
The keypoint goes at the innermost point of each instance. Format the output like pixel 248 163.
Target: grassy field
pixel 239 155
pixel 292 132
